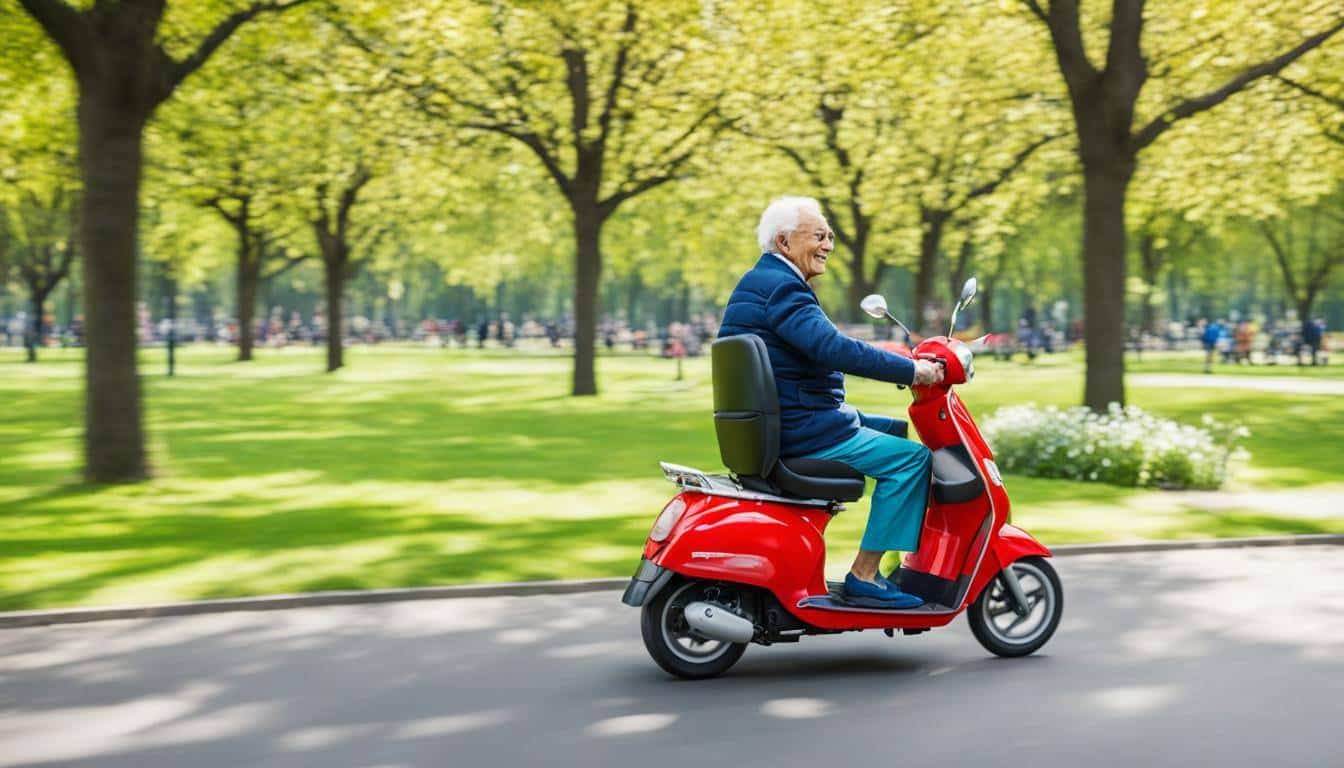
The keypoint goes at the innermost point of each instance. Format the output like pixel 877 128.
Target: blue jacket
pixel 809 357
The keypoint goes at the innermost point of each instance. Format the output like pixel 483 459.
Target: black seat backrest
pixel 746 406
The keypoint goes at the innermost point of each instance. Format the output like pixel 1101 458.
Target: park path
pixel 1215 657
pixel 1277 384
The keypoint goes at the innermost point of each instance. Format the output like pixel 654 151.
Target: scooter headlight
pixel 667 519
pixel 965 357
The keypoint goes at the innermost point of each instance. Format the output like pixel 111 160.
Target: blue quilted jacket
pixel 809 356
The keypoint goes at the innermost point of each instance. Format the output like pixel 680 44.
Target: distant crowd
pixel 1245 342
pixel 1242 341
pixel 281 327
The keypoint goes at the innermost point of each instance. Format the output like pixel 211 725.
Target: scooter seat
pixel 818 479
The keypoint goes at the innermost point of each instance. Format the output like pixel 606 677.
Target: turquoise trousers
pixel 901 468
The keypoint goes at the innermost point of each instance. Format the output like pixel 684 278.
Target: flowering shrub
pixel 1124 446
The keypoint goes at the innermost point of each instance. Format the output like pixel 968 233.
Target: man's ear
pixel 782 243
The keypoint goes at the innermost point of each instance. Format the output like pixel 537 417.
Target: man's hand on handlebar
pixel 927 372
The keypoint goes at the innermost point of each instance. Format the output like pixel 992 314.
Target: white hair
pixel 781 218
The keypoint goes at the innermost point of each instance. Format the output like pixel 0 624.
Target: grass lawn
pixel 1193 362
pixel 417 467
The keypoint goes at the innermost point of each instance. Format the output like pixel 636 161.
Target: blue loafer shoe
pixel 879 594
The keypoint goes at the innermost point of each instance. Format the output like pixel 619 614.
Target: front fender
pixel 1012 544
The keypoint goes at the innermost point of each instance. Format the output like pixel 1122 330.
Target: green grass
pixel 416 467
pixel 1193 362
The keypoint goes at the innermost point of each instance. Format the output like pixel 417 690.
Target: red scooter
pixel 739 558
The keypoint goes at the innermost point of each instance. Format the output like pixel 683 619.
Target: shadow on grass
pixel 426 549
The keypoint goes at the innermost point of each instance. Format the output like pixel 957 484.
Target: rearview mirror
pixel 874 306
pixel 968 291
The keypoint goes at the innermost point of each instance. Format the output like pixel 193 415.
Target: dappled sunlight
pixel 629 725
pixel 323 737
pixel 521 636
pixel 797 709
pixel 101 728
pixel 46 459
pixel 452 724
pixel 1284 612
pixel 585 650
pixel 289 434
pixel 1133 701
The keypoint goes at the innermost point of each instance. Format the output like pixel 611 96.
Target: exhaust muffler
pixel 718 623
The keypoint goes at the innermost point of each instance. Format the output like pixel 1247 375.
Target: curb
pixel 19 619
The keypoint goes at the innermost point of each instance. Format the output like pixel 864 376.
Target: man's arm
pixel 793 312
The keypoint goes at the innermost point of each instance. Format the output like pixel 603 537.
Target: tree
pixel 41 251
pixel 895 147
pixel 124 66
pixel 38 172
pixel 613 100
pixel 349 156
pixel 1308 248
pixel 221 149
pixel 1104 100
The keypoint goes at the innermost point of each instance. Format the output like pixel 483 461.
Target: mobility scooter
pixel 739 558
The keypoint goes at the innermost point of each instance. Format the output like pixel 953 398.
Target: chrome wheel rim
pixel 1004 623
pixel 683 641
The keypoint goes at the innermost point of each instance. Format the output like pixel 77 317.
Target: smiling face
pixel 809 245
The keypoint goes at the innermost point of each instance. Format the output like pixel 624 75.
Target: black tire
pixel 987 614
pixel 668 639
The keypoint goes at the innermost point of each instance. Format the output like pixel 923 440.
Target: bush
pixel 1124 446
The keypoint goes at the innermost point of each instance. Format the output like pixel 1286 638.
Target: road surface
pixel 1198 658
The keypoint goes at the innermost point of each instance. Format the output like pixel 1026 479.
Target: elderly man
pixel 810 357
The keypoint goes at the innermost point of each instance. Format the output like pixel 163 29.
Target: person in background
pixel 1209 338
pixel 1245 337
pixel 1312 333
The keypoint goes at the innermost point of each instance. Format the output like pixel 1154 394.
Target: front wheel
pixel 672 642
pixel 1000 629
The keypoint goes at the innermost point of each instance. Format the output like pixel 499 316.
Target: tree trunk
pixel 1147 313
pixel 587 272
pixel 986 297
pixel 334 269
pixel 957 274
pixel 859 286
pixel 110 155
pixel 1104 281
pixel 930 240
pixel 248 277
pixel 1148 254
pixel 38 299
pixel 633 292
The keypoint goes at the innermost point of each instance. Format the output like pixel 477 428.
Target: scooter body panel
pixel 747 541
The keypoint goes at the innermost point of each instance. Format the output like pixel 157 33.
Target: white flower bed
pixel 1125 446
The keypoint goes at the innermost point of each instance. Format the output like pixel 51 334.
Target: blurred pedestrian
pixel 1245 337
pixel 1312 333
pixel 1209 338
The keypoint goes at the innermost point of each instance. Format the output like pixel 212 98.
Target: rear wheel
pixel 1000 629
pixel 672 642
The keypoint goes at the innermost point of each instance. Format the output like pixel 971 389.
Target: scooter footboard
pixel 1012 544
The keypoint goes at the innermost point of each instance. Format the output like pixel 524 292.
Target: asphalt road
pixel 1200 658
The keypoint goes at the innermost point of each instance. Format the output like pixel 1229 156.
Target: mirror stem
pixel 899 324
